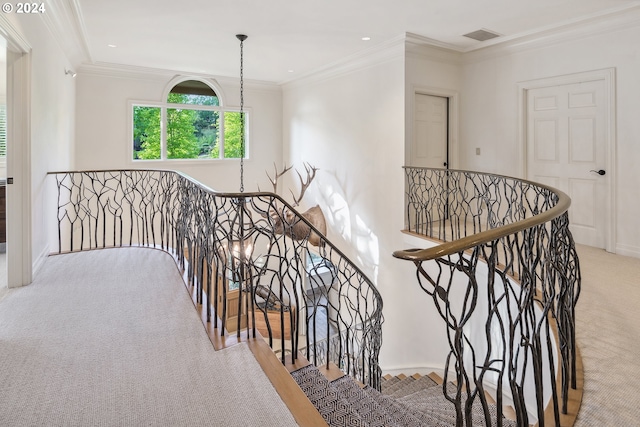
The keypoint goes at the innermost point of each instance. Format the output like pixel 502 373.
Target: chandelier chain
pixel 242 143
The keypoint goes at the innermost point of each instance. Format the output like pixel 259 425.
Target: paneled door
pixel 566 149
pixel 430 132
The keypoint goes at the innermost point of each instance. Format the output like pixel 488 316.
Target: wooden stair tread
pixel 290 392
pixel 301 408
pixel 299 363
pixel 331 371
pixel 435 377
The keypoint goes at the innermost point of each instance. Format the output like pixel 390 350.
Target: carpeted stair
pixel 414 401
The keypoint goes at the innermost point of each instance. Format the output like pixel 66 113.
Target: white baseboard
pixel 490 388
pixel 628 250
pixel 410 370
pixel 37 263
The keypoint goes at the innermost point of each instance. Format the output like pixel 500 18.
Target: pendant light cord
pixel 242 38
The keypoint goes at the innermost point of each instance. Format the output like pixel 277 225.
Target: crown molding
pixel 387 51
pixel 598 23
pixel 418 40
pixel 14 38
pixel 108 69
pixel 601 23
pixel 64 20
pixel 417 46
pixel 112 70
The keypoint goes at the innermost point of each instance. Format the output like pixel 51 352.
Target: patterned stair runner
pixel 335 410
pixel 414 401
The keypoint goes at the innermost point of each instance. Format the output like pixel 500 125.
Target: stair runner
pixel 404 402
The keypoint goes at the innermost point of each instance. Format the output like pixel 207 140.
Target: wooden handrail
pixel 171 211
pixel 526 223
pixel 493 234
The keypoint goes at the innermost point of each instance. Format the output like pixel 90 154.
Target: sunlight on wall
pixel 366 242
pixel 336 210
pixel 354 231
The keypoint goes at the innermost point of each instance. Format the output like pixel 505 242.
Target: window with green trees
pixel 190 125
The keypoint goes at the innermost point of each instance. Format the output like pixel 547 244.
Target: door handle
pixel 599 172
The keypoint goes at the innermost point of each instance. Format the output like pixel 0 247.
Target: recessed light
pixel 290 71
pixel 112 45
pixel 366 39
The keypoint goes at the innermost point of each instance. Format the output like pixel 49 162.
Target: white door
pixel 430 132
pixel 566 147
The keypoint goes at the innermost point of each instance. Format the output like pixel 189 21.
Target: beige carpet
pixel 608 334
pixel 64 328
pixel 111 338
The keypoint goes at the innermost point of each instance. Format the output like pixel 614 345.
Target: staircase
pixel 405 401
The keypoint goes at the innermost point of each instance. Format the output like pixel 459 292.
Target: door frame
pixel 19 257
pixel 452 131
pixel 608 75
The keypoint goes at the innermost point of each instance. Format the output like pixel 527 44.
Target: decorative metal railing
pixel 505 279
pixel 241 255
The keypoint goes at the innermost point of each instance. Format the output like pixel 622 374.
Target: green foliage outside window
pixel 146 133
pixel 232 127
pixel 191 134
pixel 180 98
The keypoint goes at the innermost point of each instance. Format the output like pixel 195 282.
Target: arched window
pixel 191 124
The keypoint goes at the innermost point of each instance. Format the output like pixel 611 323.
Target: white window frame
pixel 164 105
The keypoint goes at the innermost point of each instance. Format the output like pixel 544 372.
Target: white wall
pixel 490 108
pixel 52 115
pixel 351 126
pixel 103 126
pixel 433 71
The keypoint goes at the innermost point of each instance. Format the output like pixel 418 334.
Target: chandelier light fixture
pixel 239 248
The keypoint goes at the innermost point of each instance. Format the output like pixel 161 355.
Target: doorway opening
pixel 3 165
pixel 431 133
pixel 430 142
pixel 15 76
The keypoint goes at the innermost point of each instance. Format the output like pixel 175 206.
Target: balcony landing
pixel 109 335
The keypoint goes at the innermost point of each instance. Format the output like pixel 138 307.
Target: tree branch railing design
pixel 504 276
pixel 240 253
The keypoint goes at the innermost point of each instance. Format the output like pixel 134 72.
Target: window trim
pixel 221 108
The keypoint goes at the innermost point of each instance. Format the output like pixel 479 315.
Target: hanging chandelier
pixel 241 249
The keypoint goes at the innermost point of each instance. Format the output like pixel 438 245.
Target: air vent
pixel 482 35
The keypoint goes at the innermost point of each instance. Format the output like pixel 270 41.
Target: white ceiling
pixel 198 36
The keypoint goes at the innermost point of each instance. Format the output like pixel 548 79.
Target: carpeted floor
pixel 608 334
pixel 111 337
pixel 135 361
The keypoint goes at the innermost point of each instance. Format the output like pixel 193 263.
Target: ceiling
pixel 288 39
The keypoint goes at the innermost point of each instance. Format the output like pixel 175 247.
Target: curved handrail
pixel 468 242
pixel 236 195
pixel 171 210
pixel 507 284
